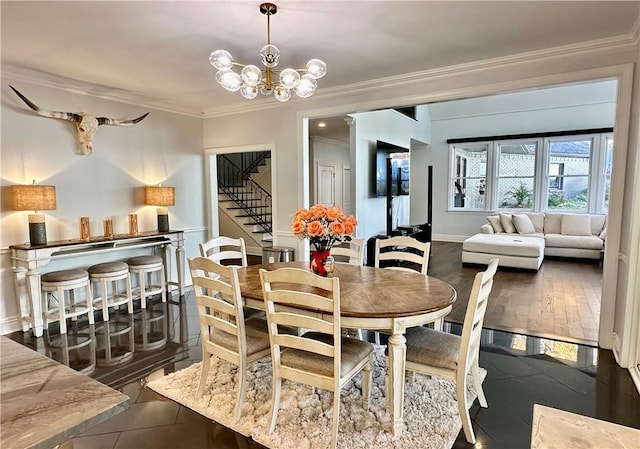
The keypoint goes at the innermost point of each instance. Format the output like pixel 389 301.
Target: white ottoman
pixel 513 250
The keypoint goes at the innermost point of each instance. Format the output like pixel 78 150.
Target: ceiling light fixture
pixel 252 79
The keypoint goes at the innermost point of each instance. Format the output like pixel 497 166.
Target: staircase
pixel 243 200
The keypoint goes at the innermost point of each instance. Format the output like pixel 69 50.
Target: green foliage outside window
pixel 520 197
pixel 557 200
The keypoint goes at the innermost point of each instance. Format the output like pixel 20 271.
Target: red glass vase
pixel 321 262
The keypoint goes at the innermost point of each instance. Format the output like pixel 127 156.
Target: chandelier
pixel 252 79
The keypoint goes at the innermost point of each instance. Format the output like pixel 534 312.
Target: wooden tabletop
pixel 368 292
pixel 44 403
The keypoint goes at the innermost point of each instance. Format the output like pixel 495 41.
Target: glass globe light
pixel 231 81
pixel 270 55
pixel 282 94
pixel 289 78
pixel 251 75
pixel 221 60
pixel 249 92
pixel 266 91
pixel 306 87
pixel 219 75
pixel 316 68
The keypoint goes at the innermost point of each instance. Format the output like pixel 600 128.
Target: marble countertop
pixel 557 429
pixel 44 403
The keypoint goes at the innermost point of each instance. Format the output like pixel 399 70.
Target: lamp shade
pixel 33 197
pixel 159 196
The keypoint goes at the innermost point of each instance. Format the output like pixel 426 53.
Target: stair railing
pixel 254 200
pixel 253 159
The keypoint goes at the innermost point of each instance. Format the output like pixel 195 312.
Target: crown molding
pixel 330 141
pixel 46 79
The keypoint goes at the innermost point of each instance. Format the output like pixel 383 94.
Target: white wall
pixel 581 106
pixel 164 147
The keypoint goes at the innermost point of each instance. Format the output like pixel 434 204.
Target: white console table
pixel 27 261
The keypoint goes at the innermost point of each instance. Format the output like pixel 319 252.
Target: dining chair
pixel 352 252
pixel 451 356
pixel 222 249
pixel 320 357
pixel 224 331
pixel 405 253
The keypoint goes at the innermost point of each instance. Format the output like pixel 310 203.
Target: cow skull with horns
pixel 86 125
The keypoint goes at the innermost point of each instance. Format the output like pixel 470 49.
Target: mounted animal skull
pixel 86 125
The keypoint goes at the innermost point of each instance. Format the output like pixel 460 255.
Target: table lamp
pixel 34 197
pixel 163 197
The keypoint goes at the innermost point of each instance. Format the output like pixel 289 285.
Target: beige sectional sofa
pixel 522 240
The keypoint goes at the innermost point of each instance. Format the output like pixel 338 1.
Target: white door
pixel 326 184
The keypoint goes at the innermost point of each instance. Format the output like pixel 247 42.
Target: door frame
pixel 211 175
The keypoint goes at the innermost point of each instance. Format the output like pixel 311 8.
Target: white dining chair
pixel 350 252
pixel 224 331
pixel 223 249
pixel 403 253
pixel 320 357
pixel 451 356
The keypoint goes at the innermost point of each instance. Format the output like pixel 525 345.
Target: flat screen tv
pixel 392 167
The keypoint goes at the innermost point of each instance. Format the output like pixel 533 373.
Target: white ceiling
pixel 156 52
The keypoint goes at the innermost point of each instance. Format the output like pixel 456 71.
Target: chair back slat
pixel 309 300
pixel 304 344
pixel 284 318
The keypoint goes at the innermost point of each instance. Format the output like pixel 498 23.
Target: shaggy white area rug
pixel 304 418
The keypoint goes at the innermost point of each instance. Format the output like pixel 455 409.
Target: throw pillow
pixel 523 224
pixel 506 220
pixel 552 223
pixel 494 220
pixel 537 218
pixel 574 224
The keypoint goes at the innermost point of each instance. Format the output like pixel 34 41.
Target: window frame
pixel 453 174
pixel 596 172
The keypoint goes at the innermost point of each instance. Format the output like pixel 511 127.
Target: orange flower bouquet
pixel 324 227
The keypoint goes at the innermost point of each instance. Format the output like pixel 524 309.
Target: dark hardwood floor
pixel 561 301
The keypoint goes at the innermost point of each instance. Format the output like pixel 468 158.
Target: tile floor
pixel 522 371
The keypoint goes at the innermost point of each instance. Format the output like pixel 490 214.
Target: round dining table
pixel 374 299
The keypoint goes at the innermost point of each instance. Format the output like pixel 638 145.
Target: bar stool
pixel 144 268
pixel 111 274
pixel 63 282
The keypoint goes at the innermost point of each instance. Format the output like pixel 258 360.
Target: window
pixel 516 174
pixel 574 154
pixel 561 171
pixel 470 173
